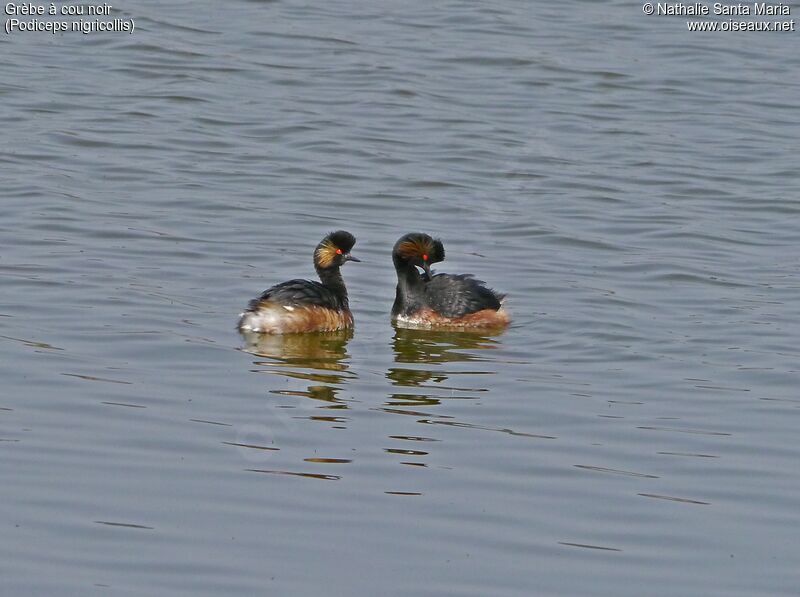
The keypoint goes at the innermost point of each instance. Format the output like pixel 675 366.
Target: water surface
pixel 630 185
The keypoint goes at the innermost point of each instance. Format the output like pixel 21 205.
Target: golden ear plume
pixel 415 247
pixel 325 254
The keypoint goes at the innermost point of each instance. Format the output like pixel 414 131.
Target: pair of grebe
pixel 422 300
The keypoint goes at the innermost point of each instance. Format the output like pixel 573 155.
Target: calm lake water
pixel 632 186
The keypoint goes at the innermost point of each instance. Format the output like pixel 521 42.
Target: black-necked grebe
pixel 440 300
pixel 305 305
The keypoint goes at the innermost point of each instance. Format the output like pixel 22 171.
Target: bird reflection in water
pixel 430 354
pixel 313 366
pixel 427 363
pixel 317 360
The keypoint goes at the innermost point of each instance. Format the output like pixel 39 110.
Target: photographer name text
pixel 699 9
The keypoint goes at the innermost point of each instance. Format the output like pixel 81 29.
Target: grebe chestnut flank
pixel 440 300
pixel 305 305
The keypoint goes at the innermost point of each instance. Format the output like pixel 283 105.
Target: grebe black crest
pixel 306 305
pixel 426 300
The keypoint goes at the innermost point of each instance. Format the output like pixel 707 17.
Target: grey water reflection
pixel 433 367
pixel 318 352
pixel 442 371
pixel 433 373
pixel 314 369
pixel 316 366
pixel 436 346
pixel 440 381
pixel 426 357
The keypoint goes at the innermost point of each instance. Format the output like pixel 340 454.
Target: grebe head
pixel 334 250
pixel 418 249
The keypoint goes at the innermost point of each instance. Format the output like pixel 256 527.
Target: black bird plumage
pixel 328 294
pixel 449 296
pixel 456 295
pixel 300 293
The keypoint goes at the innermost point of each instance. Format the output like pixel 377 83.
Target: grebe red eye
pixel 425 257
pixel 338 251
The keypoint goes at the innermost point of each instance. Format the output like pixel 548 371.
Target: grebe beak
pixel 349 257
pixel 427 267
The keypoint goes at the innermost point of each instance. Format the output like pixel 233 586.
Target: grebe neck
pixel 410 287
pixel 331 278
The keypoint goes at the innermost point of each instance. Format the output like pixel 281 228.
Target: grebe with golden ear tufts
pixel 425 300
pixel 306 305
